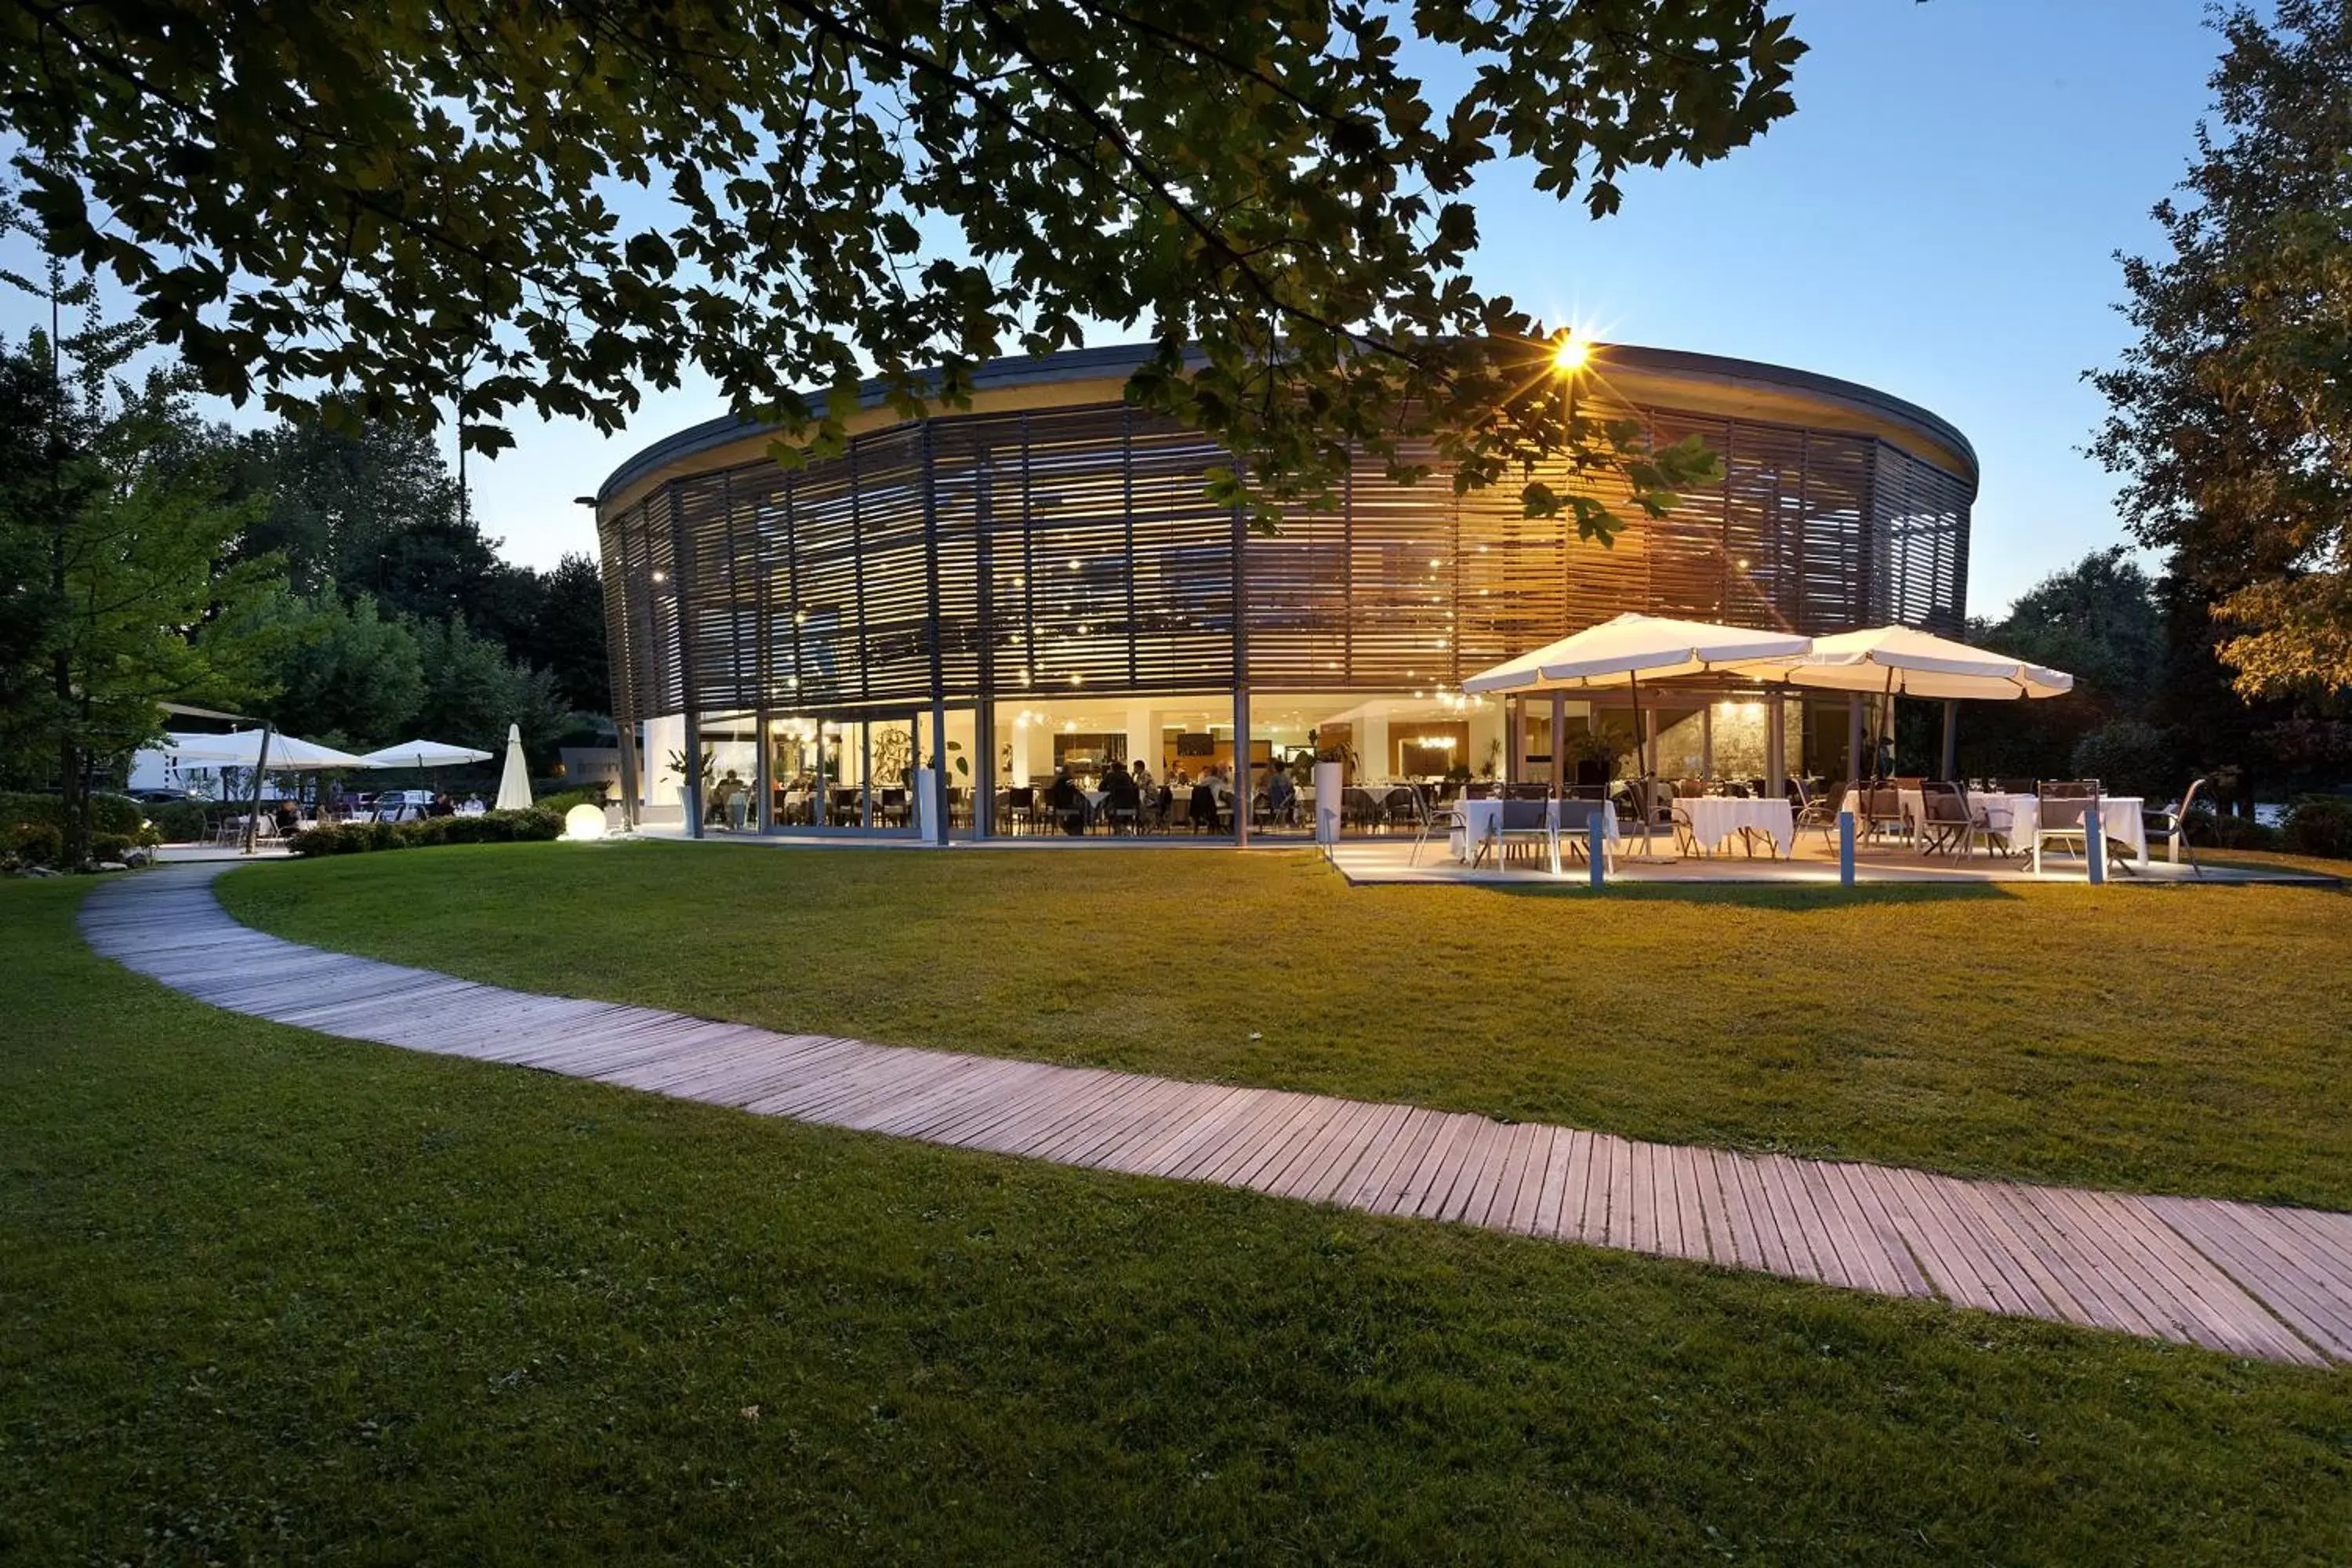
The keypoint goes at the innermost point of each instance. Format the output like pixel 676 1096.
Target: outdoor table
pixel 2017 817
pixel 1712 818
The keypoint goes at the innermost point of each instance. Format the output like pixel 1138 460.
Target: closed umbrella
pixel 514 784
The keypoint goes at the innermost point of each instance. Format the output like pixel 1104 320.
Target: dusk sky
pixel 1938 220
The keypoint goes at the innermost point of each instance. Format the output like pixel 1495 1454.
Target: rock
pixel 39 871
pixel 134 858
pixel 110 865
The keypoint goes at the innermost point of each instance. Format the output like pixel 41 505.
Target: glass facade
pixel 962 623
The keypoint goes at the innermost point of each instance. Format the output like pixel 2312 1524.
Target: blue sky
pixel 1938 220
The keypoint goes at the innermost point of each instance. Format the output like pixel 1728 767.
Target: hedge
pixel 2319 825
pixel 533 826
pixel 31 827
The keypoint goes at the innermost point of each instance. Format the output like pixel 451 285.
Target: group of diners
pixel 1117 799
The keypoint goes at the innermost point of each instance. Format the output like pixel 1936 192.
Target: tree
pixel 347 677
pixel 473 691
pixel 567 635
pixel 368 505
pixel 2101 621
pixel 2231 414
pixel 410 204
pixel 124 510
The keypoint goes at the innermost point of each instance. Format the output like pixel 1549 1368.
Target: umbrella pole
pixel 253 809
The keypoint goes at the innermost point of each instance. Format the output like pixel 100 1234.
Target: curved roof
pixel 1715 372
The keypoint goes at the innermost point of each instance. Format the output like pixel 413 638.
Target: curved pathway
pixel 2243 1279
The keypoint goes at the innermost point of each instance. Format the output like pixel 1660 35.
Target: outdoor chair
pixel 1522 822
pixel 2172 826
pixel 1947 827
pixel 1020 808
pixel 2065 805
pixel 1575 833
pixel 1810 812
pixel 1446 820
pixel 1882 809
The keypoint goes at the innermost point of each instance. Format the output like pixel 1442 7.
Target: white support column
pixel 1143 739
pixel 1559 745
pixel 1374 751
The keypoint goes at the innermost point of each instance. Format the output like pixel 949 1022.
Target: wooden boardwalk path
pixel 2243 1278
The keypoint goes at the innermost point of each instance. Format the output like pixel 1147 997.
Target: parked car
pixel 403 805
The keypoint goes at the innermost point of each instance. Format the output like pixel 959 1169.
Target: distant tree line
pixel 319 573
pixel 403 617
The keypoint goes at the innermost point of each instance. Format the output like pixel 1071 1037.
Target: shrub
pixel 110 846
pixel 116 814
pixel 531 826
pixel 180 821
pixel 320 841
pixel 565 800
pixel 31 843
pixel 2240 832
pixel 2130 758
pixel 2319 825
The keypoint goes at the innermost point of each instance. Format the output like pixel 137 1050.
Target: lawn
pixel 2183 1039
pixel 268 1295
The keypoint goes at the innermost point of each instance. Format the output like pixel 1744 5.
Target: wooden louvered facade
pixel 1058 544
pixel 992 556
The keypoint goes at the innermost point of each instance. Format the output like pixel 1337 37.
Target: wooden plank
pixel 2254 1254
pixel 1571 1149
pixel 1747 1230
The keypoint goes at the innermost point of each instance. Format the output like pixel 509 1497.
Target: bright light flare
pixel 1571 354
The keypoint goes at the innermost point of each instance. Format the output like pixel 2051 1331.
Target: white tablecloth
pixel 1715 819
pixel 1483 818
pixel 2122 817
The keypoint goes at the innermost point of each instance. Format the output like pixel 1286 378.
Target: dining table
pixel 1713 819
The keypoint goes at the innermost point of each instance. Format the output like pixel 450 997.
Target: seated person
pixel 442 806
pixel 1121 798
pixel 1068 807
pixel 288 816
pixel 1204 806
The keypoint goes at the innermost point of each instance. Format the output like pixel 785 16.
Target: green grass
pixel 2183 1039
pixel 266 1295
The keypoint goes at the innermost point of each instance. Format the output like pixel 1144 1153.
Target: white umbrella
pixel 514 784
pixel 243 749
pixel 1915 664
pixel 425 754
pixel 1620 652
pixel 1899 661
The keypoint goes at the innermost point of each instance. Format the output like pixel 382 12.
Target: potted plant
pixel 1596 754
pixel 1333 760
pixel 694 785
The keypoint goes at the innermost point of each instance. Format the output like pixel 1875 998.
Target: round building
pixel 1037 586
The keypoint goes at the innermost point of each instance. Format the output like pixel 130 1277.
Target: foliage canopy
pixel 412 202
pixel 2231 414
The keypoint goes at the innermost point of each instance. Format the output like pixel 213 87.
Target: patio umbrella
pixel 425 754
pixel 246 749
pixel 263 751
pixel 514 784
pixel 1620 652
pixel 1899 661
